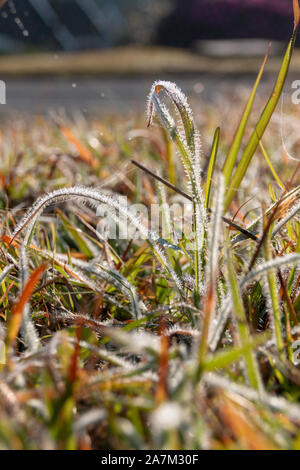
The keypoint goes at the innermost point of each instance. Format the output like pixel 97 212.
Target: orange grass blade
pixel 84 153
pixel 75 357
pixel 244 431
pixel 17 311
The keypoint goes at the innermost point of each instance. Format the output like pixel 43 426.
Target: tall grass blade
pixel 267 158
pixel 236 144
pixel 265 116
pixel 211 166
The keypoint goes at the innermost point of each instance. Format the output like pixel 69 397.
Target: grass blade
pixel 265 116
pixel 236 144
pixel 270 165
pixel 273 290
pixel 211 166
pixel 244 333
pixel 16 316
pixel 229 355
pixel 84 153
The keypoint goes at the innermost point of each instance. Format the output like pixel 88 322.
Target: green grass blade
pixel 226 357
pixel 170 158
pixel 237 140
pixel 271 276
pixel 211 167
pixel 267 158
pixel 74 233
pixel 265 116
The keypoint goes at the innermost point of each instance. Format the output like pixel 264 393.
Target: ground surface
pixel 105 95
pixel 130 60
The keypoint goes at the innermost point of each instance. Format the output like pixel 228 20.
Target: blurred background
pixel 112 50
pixel 30 25
pixel 79 24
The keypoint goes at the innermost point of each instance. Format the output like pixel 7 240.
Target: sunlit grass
pixel 141 344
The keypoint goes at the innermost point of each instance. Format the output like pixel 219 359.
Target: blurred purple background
pixel 226 19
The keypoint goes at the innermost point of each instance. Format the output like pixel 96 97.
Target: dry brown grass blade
pixel 249 437
pixel 84 153
pixel 5 239
pixel 75 356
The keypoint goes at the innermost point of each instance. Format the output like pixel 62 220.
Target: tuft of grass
pixel 142 342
